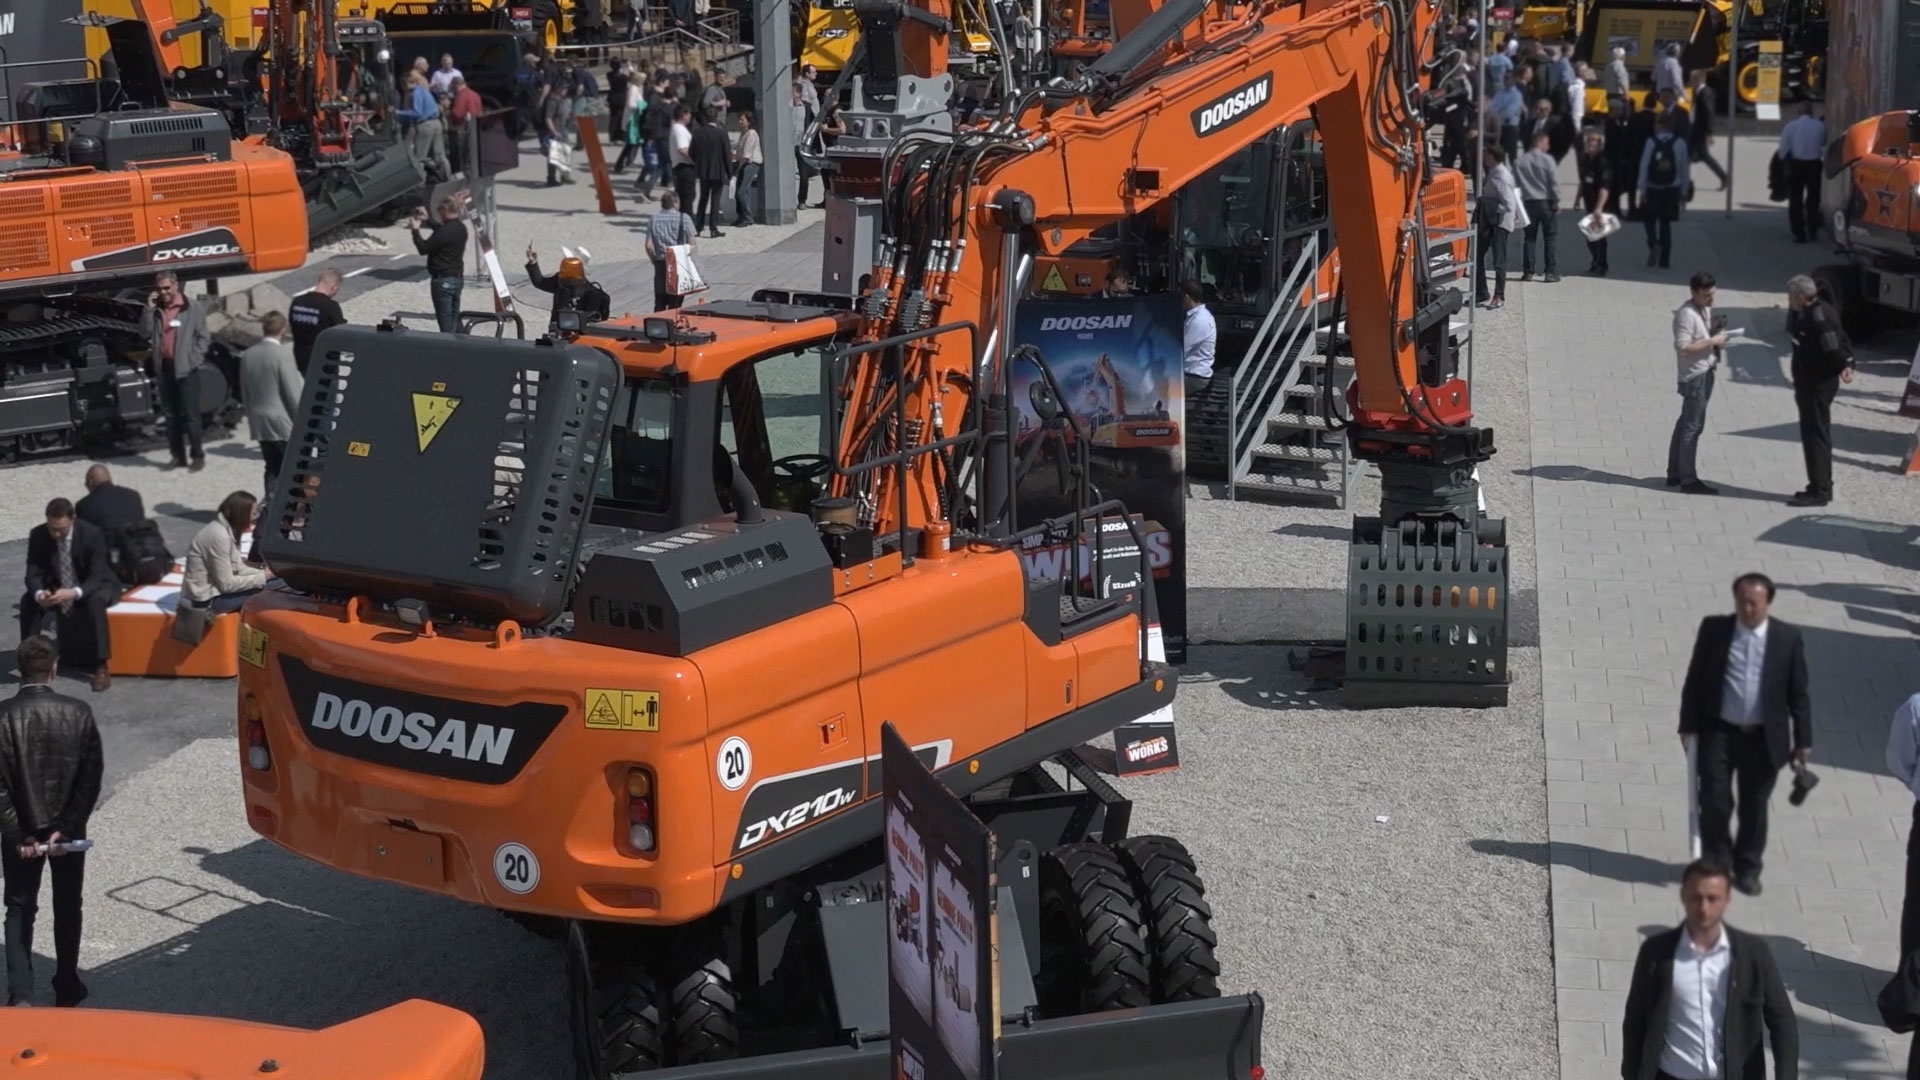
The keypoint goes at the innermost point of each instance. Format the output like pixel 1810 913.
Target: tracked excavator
pixel 106 182
pixel 537 641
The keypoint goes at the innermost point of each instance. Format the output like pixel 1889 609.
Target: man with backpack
pixel 135 547
pixel 1822 360
pixel 1663 181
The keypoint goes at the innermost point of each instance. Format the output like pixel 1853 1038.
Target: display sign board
pixel 1771 69
pixel 1116 364
pixel 1642 33
pixel 1910 401
pixel 943 973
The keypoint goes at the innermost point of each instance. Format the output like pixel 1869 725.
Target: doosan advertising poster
pixel 1117 365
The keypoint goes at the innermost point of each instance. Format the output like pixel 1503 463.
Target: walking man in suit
pixel 1745 702
pixel 1701 993
pixel 70 586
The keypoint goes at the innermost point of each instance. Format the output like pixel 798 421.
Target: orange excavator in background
pixel 537 642
pixel 1117 425
pixel 1876 225
pixel 107 181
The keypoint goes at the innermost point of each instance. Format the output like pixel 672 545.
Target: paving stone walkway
pixel 1626 570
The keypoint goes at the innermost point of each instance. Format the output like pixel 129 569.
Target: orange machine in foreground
pixel 604 629
pixel 414 1040
pixel 107 182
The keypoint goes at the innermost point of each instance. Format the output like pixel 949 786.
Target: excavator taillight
pixel 640 809
pixel 256 735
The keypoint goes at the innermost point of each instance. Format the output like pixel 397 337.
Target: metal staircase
pixel 1269 423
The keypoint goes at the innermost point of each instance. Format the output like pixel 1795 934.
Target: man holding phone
pixel 1699 336
pixel 177 340
pixel 445 248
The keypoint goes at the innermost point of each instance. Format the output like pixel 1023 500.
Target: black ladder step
pixel 1296 452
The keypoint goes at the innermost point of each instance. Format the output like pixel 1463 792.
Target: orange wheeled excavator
pixel 538 641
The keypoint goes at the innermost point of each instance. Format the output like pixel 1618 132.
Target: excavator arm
pixel 1190 83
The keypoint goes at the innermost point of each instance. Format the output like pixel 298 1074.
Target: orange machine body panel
pixel 806 695
pixel 59 228
pixel 413 1040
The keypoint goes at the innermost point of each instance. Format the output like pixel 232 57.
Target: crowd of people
pixel 1634 161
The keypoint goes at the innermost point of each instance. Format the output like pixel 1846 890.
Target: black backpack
pixel 1663 169
pixel 141 553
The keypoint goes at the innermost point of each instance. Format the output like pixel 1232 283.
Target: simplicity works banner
pixel 1117 363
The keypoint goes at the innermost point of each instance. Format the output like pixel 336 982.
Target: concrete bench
pixel 140 627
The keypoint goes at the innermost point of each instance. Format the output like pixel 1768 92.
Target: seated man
pixel 135 548
pixel 217 576
pixel 70 586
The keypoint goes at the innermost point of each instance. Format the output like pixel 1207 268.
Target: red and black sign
pixel 1147 747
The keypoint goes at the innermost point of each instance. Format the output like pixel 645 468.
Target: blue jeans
pixel 746 192
pixel 1684 451
pixel 446 303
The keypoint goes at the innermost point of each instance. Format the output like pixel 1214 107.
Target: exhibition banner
pixel 943 975
pixel 1116 362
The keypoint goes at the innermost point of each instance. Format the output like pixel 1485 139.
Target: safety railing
pixel 1272 364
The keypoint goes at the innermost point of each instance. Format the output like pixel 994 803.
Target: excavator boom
pixel 1190 83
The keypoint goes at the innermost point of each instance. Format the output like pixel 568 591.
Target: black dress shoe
pixel 1673 483
pixel 1807 498
pixel 1748 884
pixel 1699 488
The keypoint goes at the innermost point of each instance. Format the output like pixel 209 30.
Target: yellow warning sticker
pixel 359 449
pixel 1055 282
pixel 622 710
pixel 253 646
pixel 430 412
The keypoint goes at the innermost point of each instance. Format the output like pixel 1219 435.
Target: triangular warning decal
pixel 430 412
pixel 602 712
pixel 1054 281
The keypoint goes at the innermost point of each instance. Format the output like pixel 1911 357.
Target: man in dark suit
pixel 107 506
pixel 111 508
pixel 1745 704
pixel 1701 993
pixel 70 585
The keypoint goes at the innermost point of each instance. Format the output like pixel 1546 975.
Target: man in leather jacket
pixel 50 766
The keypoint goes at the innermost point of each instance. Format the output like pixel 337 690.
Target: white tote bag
pixel 683 277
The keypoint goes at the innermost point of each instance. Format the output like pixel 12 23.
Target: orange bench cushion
pixel 141 628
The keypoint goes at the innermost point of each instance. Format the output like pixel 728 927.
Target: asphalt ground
pixel 1415 946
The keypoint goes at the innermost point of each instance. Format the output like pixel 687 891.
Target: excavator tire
pixel 1180 937
pixel 1093 950
pixel 704 1015
pixel 614 1007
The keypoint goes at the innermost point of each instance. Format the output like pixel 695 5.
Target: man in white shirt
pixel 1701 993
pixel 1903 760
pixel 1746 708
pixel 441 81
pixel 1696 346
pixel 1197 341
pixel 680 150
pixel 1803 142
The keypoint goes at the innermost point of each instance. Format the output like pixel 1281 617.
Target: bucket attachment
pixel 375 179
pixel 1427 614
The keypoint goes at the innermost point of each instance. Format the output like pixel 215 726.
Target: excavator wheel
pixel 1842 284
pixel 613 1006
pixel 1180 937
pixel 1093 950
pixel 702 1011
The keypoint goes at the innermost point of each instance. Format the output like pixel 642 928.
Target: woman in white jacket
pixel 1497 214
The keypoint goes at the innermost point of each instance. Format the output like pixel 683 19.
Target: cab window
pixel 637 472
pixel 773 425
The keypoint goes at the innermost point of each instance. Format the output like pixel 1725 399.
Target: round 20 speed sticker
pixel 734 763
pixel 516 868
